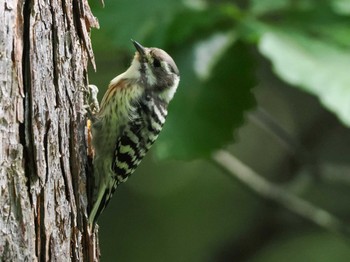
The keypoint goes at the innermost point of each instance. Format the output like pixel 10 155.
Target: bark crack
pixel 46 148
pixel 54 55
pixel 25 131
pixel 41 227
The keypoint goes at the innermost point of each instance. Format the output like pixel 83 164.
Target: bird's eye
pixel 156 62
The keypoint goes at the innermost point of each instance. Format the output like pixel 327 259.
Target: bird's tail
pixel 103 197
pixel 98 206
pixel 103 189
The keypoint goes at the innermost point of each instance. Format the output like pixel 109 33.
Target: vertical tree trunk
pixel 44 53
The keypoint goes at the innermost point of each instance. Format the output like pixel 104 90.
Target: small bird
pixel 131 115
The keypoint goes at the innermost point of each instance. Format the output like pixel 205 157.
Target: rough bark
pixel 44 52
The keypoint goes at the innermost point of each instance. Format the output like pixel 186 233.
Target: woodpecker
pixel 129 119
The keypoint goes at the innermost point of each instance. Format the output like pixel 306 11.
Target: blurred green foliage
pixel 289 58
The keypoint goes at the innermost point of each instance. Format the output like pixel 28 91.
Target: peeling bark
pixel 44 53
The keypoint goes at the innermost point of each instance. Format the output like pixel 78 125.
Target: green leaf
pixel 191 25
pixel 211 99
pixel 316 67
pixel 341 7
pixel 259 7
pixel 122 20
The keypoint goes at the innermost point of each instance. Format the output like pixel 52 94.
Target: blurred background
pixel 267 82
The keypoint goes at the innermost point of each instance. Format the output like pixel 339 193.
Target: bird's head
pixel 158 71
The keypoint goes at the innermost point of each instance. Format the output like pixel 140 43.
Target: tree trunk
pixel 44 52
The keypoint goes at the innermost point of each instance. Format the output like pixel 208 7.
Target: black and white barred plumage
pixel 131 116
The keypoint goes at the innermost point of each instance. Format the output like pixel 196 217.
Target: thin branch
pixel 238 170
pixel 266 122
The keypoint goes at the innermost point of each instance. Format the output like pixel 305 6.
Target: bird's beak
pixel 139 48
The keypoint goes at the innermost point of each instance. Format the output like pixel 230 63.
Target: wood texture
pixel 44 53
